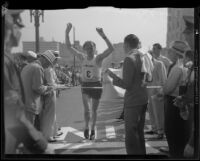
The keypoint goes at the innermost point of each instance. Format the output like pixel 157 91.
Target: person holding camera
pixel 175 127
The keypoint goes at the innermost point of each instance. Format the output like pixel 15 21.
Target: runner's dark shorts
pixel 92 92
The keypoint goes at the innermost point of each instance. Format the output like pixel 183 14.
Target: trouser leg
pixel 47 116
pixel 158 110
pixel 134 124
pixel 175 129
pixel 150 109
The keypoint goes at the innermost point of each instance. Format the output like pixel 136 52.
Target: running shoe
pixel 86 133
pixel 92 135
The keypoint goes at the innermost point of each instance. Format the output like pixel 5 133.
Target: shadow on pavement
pixel 97 150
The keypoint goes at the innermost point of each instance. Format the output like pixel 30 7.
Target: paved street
pixel 110 131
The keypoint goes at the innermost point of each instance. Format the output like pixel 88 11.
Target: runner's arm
pixel 108 51
pixel 68 43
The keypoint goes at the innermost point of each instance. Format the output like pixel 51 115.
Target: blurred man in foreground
pixel 17 128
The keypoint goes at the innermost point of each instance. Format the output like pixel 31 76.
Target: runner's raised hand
pixel 101 32
pixel 69 27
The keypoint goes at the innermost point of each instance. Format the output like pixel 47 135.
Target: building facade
pixel 66 57
pixel 175 23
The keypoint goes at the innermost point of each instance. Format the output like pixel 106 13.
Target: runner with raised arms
pixel 90 76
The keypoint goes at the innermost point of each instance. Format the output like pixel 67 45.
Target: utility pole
pixel 37 14
pixel 74 57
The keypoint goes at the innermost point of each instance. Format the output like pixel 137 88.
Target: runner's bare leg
pixel 95 104
pixel 86 105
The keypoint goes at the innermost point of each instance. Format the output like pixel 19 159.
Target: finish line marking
pixel 110 132
pixel 90 144
pixel 65 131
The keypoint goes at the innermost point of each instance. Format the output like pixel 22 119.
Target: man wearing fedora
pixel 175 126
pixel 34 86
pixel 188 33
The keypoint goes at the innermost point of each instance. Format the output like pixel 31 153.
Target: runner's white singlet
pixel 91 72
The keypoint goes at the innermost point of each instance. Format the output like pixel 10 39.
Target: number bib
pixel 89 74
pixel 90 71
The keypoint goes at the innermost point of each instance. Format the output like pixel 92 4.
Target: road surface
pixel 110 131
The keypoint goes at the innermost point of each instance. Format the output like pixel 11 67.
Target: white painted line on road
pixel 59 145
pixel 154 87
pixel 78 146
pixel 76 132
pixel 95 132
pixel 148 127
pixel 62 137
pixel 147 145
pixel 108 113
pixel 91 144
pixel 65 130
pixel 110 132
pixel 107 121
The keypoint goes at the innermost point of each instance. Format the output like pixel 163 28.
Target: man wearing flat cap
pixel 34 86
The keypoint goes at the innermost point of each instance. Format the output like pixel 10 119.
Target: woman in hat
pixel 175 127
pixel 90 76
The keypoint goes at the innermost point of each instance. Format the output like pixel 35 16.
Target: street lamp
pixel 37 14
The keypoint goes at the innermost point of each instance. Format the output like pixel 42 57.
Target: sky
pixel 150 25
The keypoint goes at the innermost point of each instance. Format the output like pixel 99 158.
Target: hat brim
pixel 47 59
pixel 189 19
pixel 178 52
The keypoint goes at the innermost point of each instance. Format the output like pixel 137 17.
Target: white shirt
pixel 91 72
pixel 175 79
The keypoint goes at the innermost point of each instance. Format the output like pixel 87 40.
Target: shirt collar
pixel 133 51
pixel 38 62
